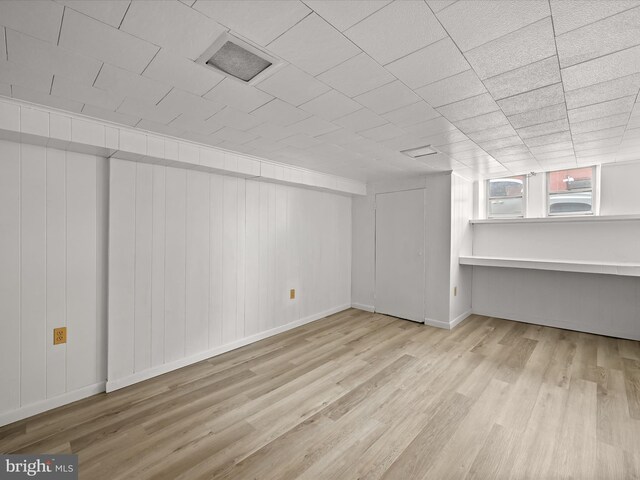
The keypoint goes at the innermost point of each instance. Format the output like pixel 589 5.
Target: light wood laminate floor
pixel 361 395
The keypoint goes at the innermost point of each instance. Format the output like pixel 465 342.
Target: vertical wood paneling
pixel 240 268
pixel 175 264
pixel 56 270
pixel 252 259
pixel 122 240
pixel 33 265
pixel 266 299
pixel 230 259
pixel 143 263
pixel 157 269
pixel 216 245
pixel 10 276
pixel 197 279
pixel 81 270
pixel 229 250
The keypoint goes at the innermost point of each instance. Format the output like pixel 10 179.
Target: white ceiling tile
pixel 397 30
pixel 38 18
pixel 5 89
pixel 547 128
pixel 271 131
pixel 452 89
pixel 257 20
pixel 566 152
pixel 48 58
pixel 292 85
pixel 41 98
pixel 230 117
pixel 15 74
pixel 472 23
pixel 532 100
pixel 147 110
pixel 96 39
pixel 492 133
pixel 517 157
pixel 361 120
pixel 159 128
pixel 127 84
pixel 232 135
pixel 110 116
pixel 195 124
pixel 470 107
pixel 313 126
pixel 597 39
pixel 357 75
pixel 599 134
pixel 532 76
pixel 314 46
pixel 182 73
pixel 179 101
pixel 552 147
pixel 343 15
pixel 388 97
pixel 301 140
pixel 600 92
pixel 411 114
pixel 110 12
pixel 582 147
pixel 462 146
pixel 431 127
pixel 383 132
pixel 439 60
pixel 514 50
pixel 339 137
pixel 438 5
pixel 482 122
pixel 506 146
pixel 542 115
pixel 571 14
pixel 175 26
pixel 609 67
pixel 238 95
pixel 280 113
pixel 264 145
pixel 600 123
pixel 67 88
pixel 331 105
pixel 603 109
pixel 547 139
pixel 444 138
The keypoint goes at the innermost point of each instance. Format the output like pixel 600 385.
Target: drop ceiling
pixel 495 87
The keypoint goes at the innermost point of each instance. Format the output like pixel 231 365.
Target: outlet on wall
pixel 59 335
pixel 455 291
pixel 292 293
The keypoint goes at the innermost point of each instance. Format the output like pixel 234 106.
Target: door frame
pixel 424 248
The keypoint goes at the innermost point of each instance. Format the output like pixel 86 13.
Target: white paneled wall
pixel 52 274
pixel 201 263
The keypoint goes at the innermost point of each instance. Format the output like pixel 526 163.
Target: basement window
pixel 570 192
pixel 506 196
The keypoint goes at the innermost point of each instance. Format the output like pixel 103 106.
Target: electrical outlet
pixel 59 335
pixel 292 293
pixel 455 291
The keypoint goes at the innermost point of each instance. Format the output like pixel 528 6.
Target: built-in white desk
pixel 605 268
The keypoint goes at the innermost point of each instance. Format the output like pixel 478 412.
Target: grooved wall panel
pixel 212 261
pixel 52 211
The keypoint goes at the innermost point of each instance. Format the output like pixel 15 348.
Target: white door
pixel 400 262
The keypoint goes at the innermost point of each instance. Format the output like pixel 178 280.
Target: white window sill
pixel 559 219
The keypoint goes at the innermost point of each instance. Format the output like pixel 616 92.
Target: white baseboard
pixel 366 308
pixel 50 403
pixel 459 319
pixel 578 327
pixel 447 325
pixel 183 362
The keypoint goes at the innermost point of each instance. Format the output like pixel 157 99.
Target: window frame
pixel 593 190
pixel 525 189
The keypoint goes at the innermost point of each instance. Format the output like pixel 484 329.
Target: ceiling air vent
pixel 419 152
pixel 239 59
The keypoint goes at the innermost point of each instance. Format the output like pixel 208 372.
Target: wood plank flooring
pixel 361 395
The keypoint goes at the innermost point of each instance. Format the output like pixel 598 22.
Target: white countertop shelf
pixel 578 266
pixel 559 219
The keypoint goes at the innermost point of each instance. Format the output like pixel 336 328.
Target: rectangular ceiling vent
pixel 237 58
pixel 419 152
